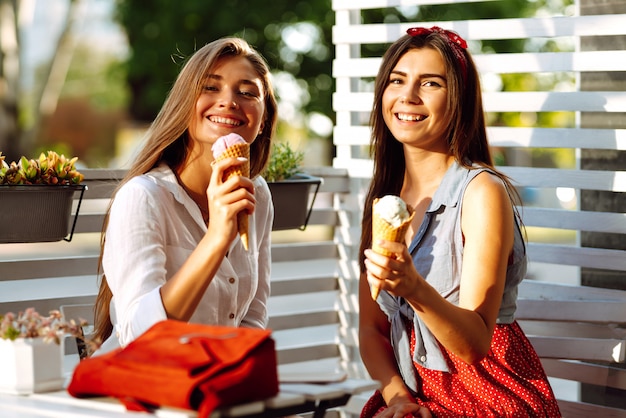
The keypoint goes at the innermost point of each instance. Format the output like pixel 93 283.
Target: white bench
pixel 303 306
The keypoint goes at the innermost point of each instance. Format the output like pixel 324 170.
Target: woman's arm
pixel 487 224
pixel 182 293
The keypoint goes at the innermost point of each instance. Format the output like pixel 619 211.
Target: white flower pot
pixel 29 365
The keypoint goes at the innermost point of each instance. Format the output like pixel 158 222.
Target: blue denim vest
pixel 437 251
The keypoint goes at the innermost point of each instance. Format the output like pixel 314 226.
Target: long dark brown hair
pixel 167 141
pixel 466 133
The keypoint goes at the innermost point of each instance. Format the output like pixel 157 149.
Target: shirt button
pixel 231 280
pixel 231 316
pixel 423 359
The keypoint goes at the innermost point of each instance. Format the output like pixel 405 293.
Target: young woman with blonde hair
pixel 170 248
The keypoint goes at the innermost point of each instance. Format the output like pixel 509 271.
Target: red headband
pixel 456 42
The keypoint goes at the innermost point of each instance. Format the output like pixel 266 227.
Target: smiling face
pixel 414 101
pixel 232 101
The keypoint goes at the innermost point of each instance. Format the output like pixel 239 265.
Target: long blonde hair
pixel 167 141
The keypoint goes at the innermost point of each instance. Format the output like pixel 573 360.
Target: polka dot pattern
pixel 508 382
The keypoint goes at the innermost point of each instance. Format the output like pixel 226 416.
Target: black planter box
pixel 291 201
pixel 37 212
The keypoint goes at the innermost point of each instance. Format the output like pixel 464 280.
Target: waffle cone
pixel 239 150
pixel 383 230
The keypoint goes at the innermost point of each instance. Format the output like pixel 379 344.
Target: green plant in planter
pixel 290 187
pixel 36 197
pixel 284 162
pixel 50 168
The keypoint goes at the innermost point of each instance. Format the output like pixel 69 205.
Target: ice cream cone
pixel 239 150
pixel 383 230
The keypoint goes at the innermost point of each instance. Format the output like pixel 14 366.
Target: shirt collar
pixel 449 191
pixel 165 177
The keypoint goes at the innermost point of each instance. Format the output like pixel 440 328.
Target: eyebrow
pixel 427 75
pixel 244 81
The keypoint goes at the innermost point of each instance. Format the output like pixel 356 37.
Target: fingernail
pixel 242 159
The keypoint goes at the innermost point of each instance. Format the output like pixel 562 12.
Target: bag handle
pixel 186 338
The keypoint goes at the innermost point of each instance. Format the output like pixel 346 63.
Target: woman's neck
pixel 423 176
pixel 194 179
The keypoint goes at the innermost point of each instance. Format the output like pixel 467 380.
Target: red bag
pixel 183 365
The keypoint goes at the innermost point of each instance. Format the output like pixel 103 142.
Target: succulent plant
pixel 49 168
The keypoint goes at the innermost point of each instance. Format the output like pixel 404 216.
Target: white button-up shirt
pixel 153 227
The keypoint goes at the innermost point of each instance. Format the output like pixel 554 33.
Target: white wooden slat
pixel 287 270
pixel 574 311
pixel 312 391
pixel 586 372
pixel 590 61
pixel 611 139
pixel 529 62
pixel 501 136
pixel 533 101
pixel 577 256
pixel 351 135
pixel 48 267
pixel 305 337
pixel 356 67
pixel 571 329
pixel 48 288
pixel 357 168
pixel 574 220
pixel 353 102
pixel 488 29
pixel 305 302
pixel 533 289
pixel 613 181
pixel 303 251
pixel 589 349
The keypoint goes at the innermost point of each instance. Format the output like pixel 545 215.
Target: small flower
pixel 30 324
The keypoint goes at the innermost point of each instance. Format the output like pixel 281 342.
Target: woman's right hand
pixel 404 409
pixel 226 198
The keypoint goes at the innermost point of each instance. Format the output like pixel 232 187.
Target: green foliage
pixel 163 35
pixel 284 162
pixel 98 76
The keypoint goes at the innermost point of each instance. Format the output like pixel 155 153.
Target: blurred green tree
pixel 294 37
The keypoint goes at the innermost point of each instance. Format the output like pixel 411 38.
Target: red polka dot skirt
pixel 508 382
